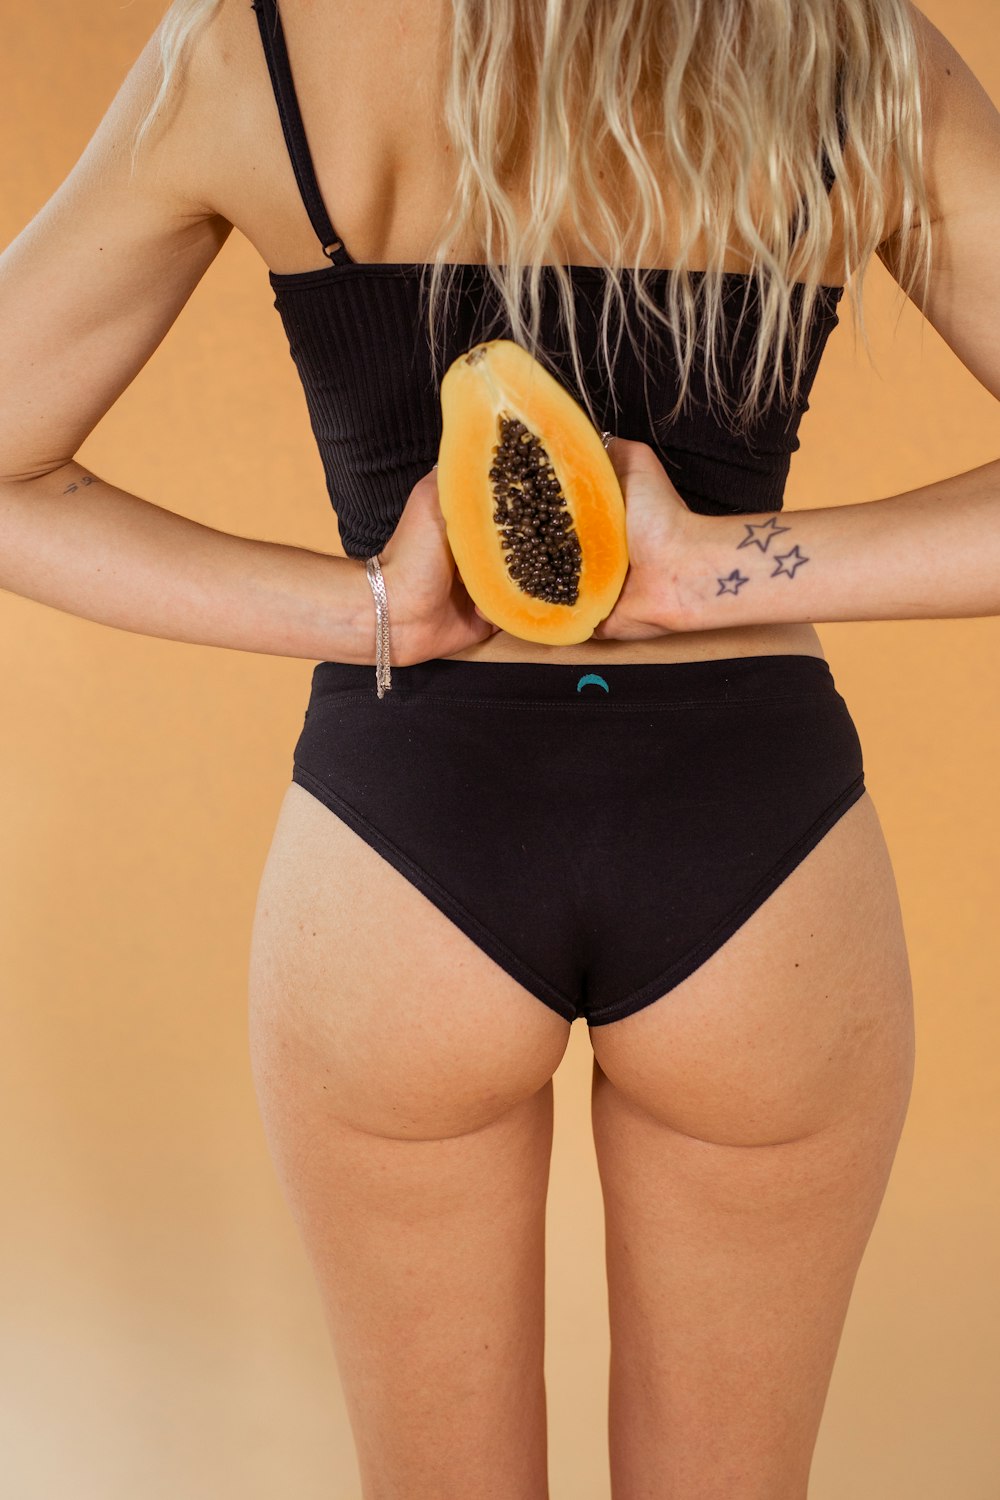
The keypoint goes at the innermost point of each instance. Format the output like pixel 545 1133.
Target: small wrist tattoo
pixel 782 558
pixel 770 528
pixel 760 535
pixel 75 485
pixel 731 585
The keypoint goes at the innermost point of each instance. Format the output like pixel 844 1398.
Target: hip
pixel 537 778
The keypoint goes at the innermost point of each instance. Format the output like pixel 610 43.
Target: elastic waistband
pixel 724 678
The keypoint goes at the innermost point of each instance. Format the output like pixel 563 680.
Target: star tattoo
pixel 771 527
pixel 782 557
pixel 735 578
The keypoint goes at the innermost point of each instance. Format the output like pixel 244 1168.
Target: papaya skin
pixel 499 380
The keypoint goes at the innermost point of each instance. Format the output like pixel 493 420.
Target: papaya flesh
pixel 534 513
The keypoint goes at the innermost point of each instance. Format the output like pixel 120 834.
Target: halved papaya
pixel 534 513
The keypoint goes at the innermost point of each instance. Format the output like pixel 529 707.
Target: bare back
pixel 370 82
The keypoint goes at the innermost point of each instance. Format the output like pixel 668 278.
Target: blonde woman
pixel 663 830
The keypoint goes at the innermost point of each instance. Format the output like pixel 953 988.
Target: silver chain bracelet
pixel 383 673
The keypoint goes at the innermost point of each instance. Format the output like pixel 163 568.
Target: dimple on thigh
pixel 361 987
pixel 799 1017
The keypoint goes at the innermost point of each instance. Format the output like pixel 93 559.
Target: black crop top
pixel 358 340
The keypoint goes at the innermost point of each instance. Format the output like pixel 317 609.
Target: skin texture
pixel 745 1124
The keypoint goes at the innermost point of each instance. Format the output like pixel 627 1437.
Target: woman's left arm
pixel 933 552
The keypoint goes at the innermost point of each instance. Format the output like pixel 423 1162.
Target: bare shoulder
pixel 961 170
pixel 211 115
pixel 961 125
pixel 144 228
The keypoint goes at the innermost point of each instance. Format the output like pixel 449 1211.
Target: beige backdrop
pixel 161 1334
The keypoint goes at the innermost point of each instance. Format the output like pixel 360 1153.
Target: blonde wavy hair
pixel 742 97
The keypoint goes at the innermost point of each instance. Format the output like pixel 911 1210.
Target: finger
pixel 424 499
pixel 629 457
pixel 615 447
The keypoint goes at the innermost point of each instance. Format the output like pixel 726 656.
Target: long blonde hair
pixel 737 93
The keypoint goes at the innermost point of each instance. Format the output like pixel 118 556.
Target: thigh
pixel 404 1082
pixel 745 1126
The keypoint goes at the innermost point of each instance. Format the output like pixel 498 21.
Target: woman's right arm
pixel 88 290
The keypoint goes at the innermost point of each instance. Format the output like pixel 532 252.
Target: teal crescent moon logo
pixel 592 677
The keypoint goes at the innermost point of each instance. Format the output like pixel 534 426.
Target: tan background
pixel 161 1334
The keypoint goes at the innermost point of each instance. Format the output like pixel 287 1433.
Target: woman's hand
pixel 430 611
pixel 658 527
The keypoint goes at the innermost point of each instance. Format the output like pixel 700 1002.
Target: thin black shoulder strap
pixel 275 51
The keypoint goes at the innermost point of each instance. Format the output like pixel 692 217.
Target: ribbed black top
pixel 358 338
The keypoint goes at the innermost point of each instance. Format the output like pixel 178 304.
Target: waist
pixel 687 645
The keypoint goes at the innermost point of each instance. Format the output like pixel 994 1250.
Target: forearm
pixel 931 553
pixel 73 541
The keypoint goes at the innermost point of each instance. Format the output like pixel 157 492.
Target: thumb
pixel 494 629
pixel 420 510
pixel 430 500
pixel 630 459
